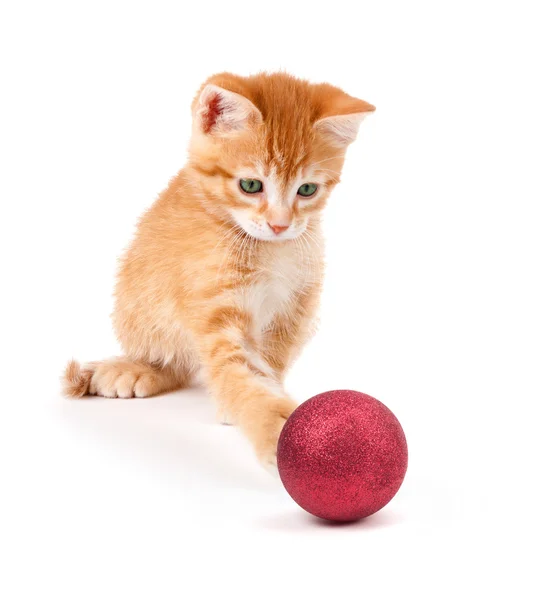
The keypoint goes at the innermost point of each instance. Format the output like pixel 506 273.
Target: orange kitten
pixel 224 274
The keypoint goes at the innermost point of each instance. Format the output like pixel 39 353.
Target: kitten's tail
pixel 76 380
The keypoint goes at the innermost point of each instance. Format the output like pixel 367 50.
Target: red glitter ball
pixel 342 455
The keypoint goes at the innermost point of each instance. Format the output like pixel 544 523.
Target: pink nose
pixel 278 228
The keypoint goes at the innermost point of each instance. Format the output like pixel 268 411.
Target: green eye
pixel 251 186
pixel 307 190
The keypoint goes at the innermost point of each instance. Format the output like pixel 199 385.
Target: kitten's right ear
pixel 221 112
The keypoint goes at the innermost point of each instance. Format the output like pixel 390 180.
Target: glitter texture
pixel 342 455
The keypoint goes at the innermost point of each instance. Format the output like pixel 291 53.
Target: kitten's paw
pixel 267 434
pixel 271 468
pixel 223 417
pixel 122 379
pixel 267 449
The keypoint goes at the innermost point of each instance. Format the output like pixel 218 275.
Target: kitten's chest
pixel 275 290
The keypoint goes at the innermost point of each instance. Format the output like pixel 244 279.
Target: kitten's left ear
pixel 341 130
pixel 222 112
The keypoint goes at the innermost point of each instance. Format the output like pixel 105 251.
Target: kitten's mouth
pixel 265 232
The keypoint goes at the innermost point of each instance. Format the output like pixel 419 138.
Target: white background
pixel 434 302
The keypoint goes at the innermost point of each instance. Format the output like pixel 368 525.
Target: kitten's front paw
pixel 267 432
pixel 266 450
pixel 223 417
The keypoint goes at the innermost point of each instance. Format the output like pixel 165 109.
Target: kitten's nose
pixel 278 228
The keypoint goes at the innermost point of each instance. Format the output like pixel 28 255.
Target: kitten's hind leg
pixel 120 378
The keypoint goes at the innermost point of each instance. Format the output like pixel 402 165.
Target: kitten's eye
pixel 307 190
pixel 251 186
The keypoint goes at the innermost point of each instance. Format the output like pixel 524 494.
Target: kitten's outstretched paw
pixel 223 417
pixel 271 466
pixel 266 445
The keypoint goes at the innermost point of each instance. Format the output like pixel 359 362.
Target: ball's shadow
pixel 298 521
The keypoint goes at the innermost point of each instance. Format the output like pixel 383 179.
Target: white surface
pixel 434 303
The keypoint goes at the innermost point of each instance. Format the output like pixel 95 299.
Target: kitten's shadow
pixel 178 431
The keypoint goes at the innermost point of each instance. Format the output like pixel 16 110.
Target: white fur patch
pixel 273 293
pixel 273 189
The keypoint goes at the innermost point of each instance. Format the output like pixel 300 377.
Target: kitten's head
pixel 270 148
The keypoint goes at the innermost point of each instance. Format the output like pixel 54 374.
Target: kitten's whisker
pixel 307 238
pixel 323 170
pixel 325 160
pixel 226 234
pixel 303 255
pixel 230 249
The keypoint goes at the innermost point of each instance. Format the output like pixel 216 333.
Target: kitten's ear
pixel 341 130
pixel 221 112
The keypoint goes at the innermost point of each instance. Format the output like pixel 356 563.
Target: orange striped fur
pixel 222 283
